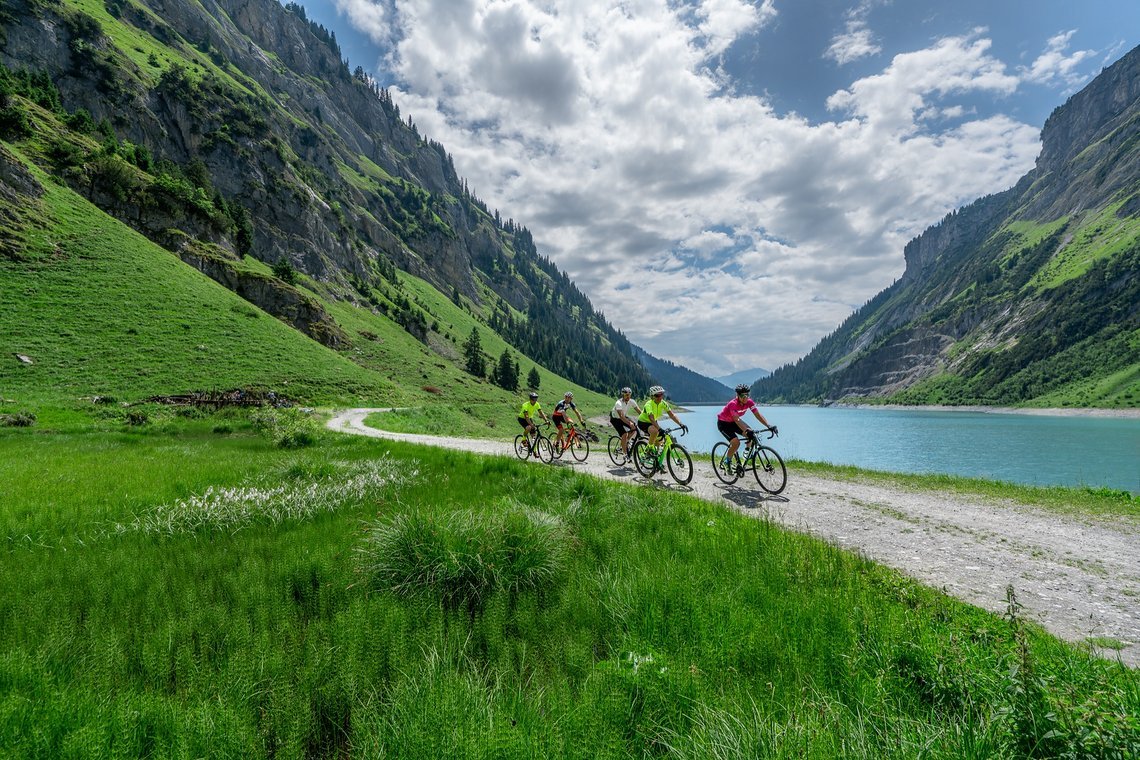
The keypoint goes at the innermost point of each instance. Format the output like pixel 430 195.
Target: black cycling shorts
pixel 644 426
pixel 524 421
pixel 619 425
pixel 558 419
pixel 730 430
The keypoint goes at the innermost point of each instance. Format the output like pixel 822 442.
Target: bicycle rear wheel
pixel 645 459
pixel 769 470
pixel 544 449
pixel 580 448
pixel 727 475
pixel 522 447
pixel 617 456
pixel 680 464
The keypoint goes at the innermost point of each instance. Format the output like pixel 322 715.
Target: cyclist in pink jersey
pixel 729 421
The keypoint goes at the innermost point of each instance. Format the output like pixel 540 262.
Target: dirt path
pixel 1078 576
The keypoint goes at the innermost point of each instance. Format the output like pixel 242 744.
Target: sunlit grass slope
pixel 100 310
pixel 245 604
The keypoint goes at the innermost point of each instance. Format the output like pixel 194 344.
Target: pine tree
pixel 473 355
pixel 532 379
pixel 506 372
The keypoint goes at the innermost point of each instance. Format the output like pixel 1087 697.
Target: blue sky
pixel 728 179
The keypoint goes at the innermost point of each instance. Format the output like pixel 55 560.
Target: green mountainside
pixel 232 135
pixel 1027 297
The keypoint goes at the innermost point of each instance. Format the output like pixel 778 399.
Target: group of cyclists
pixel 729 422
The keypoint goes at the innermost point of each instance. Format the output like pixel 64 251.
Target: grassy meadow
pixel 189 588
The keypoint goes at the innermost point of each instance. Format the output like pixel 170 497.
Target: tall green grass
pixel 611 621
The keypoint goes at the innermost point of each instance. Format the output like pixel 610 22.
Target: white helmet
pixel 655 390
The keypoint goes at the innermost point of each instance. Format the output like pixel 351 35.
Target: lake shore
pixel 1127 414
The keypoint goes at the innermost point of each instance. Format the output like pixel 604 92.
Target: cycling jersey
pixel 560 407
pixel 530 409
pixel 734 410
pixel 622 407
pixel 656 408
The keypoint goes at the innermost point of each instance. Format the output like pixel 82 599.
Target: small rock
pixel 25 359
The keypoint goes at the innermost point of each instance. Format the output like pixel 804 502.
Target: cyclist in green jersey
pixel 527 412
pixel 656 408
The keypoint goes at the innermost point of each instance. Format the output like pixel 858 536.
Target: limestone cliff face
pixel 971 301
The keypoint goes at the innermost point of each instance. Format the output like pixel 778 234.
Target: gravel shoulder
pixel 1077 576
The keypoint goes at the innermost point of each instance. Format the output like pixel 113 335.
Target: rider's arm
pixel 760 417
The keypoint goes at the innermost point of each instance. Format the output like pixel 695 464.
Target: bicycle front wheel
pixel 580 448
pixel 725 473
pixel 544 449
pixel 617 456
pixel 769 470
pixel 645 459
pixel 522 447
pixel 680 464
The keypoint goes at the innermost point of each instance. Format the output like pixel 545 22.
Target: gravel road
pixel 1078 576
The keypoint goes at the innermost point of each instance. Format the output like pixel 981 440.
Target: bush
pixel 467 557
pixel 137 417
pixel 286 428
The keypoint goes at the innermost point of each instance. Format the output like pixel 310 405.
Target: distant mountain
pixel 1030 296
pixel 681 383
pixel 749 376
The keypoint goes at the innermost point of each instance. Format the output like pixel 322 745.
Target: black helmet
pixel 742 388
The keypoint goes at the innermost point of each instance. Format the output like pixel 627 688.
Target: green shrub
pixel 467 557
pixel 286 428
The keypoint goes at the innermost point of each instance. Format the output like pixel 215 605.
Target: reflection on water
pixel 1021 448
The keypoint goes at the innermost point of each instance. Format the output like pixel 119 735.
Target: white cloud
pixel 677 206
pixel 857 41
pixel 372 18
pixel 1055 67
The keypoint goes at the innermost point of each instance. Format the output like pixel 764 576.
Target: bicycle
pixel 618 455
pixel 666 454
pixel 577 440
pixel 540 446
pixel 765 461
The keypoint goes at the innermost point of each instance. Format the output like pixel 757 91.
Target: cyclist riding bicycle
pixel 730 424
pixel 619 417
pixel 655 408
pixel 526 414
pixel 560 408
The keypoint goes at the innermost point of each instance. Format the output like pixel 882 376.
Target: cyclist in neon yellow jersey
pixel 652 412
pixel 527 412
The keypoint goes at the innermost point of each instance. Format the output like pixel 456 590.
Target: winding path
pixel 1078 576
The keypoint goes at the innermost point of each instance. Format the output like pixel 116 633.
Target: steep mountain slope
pixel 232 128
pixel 1030 296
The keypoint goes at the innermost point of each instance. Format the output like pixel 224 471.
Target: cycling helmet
pixel 655 390
pixel 533 395
pixel 569 394
pixel 742 388
pixel 626 390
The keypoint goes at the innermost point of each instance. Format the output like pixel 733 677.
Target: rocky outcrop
pixel 270 295
pixel 19 198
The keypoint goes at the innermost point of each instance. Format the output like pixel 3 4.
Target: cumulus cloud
pixel 1054 66
pixel 857 41
pixel 606 129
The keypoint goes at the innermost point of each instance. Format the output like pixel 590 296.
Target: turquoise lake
pixel 1019 448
